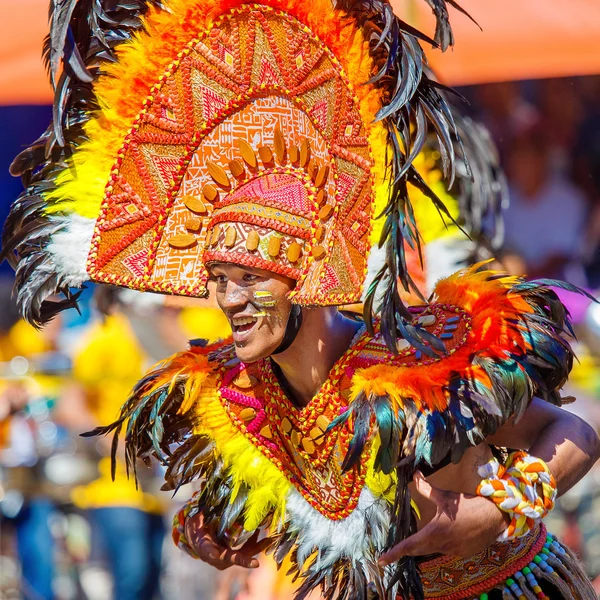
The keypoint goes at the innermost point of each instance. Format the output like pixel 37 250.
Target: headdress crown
pixel 250 148
pixel 268 133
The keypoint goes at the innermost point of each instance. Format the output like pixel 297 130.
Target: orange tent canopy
pixel 518 39
pixel 521 39
pixel 23 26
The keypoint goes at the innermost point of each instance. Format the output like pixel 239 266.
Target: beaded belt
pixel 505 566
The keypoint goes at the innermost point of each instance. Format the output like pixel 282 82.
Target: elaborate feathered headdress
pixel 266 133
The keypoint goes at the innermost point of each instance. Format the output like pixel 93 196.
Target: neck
pixel 323 338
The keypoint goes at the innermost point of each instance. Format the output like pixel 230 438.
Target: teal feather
pixel 390 427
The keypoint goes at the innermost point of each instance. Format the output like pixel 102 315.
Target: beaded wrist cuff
pixel 523 487
pixel 179 519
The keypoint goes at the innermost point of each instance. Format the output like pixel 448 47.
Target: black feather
pixel 232 511
pixel 480 186
pixel 188 461
pixel 414 105
pixel 83 35
pixel 403 525
pixel 60 14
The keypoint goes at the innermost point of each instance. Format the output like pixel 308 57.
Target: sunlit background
pixel 529 71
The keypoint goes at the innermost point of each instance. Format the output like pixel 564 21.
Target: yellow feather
pixel 268 486
pixel 380 484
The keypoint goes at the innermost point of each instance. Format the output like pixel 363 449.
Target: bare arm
pixel 567 444
pixel 462 524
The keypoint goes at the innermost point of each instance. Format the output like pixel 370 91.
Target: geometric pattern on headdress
pixel 105 58
pixel 207 132
pixel 266 223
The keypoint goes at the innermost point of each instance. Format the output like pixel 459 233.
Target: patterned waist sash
pixel 521 568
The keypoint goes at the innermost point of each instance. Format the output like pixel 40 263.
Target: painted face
pixel 256 304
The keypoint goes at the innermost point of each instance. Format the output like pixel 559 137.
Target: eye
pixel 250 278
pixel 219 279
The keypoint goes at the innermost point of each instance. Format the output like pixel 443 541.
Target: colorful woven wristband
pixel 523 487
pixel 179 538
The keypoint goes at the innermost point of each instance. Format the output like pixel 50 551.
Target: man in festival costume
pixel 255 144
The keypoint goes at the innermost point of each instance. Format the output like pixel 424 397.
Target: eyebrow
pixel 212 266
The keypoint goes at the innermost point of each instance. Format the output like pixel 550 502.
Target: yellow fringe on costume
pixel 268 486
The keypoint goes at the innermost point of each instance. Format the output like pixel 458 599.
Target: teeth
pixel 240 321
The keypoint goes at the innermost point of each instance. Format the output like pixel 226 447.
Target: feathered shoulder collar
pixel 500 341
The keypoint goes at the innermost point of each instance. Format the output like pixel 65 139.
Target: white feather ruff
pixel 360 536
pixel 445 256
pixel 70 247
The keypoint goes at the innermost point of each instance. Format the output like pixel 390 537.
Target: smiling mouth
pixel 242 327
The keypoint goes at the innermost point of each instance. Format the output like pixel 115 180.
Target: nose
pixel 234 296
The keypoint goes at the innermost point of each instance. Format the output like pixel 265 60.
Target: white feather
pixel 70 247
pixel 360 536
pixel 375 262
pixel 445 256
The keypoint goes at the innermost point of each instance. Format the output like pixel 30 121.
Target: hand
pixel 462 526
pixel 203 541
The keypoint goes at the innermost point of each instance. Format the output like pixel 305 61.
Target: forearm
pixel 567 444
pixel 569 455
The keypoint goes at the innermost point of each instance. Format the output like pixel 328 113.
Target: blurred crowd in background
pixel 67 531
pixel 548 136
